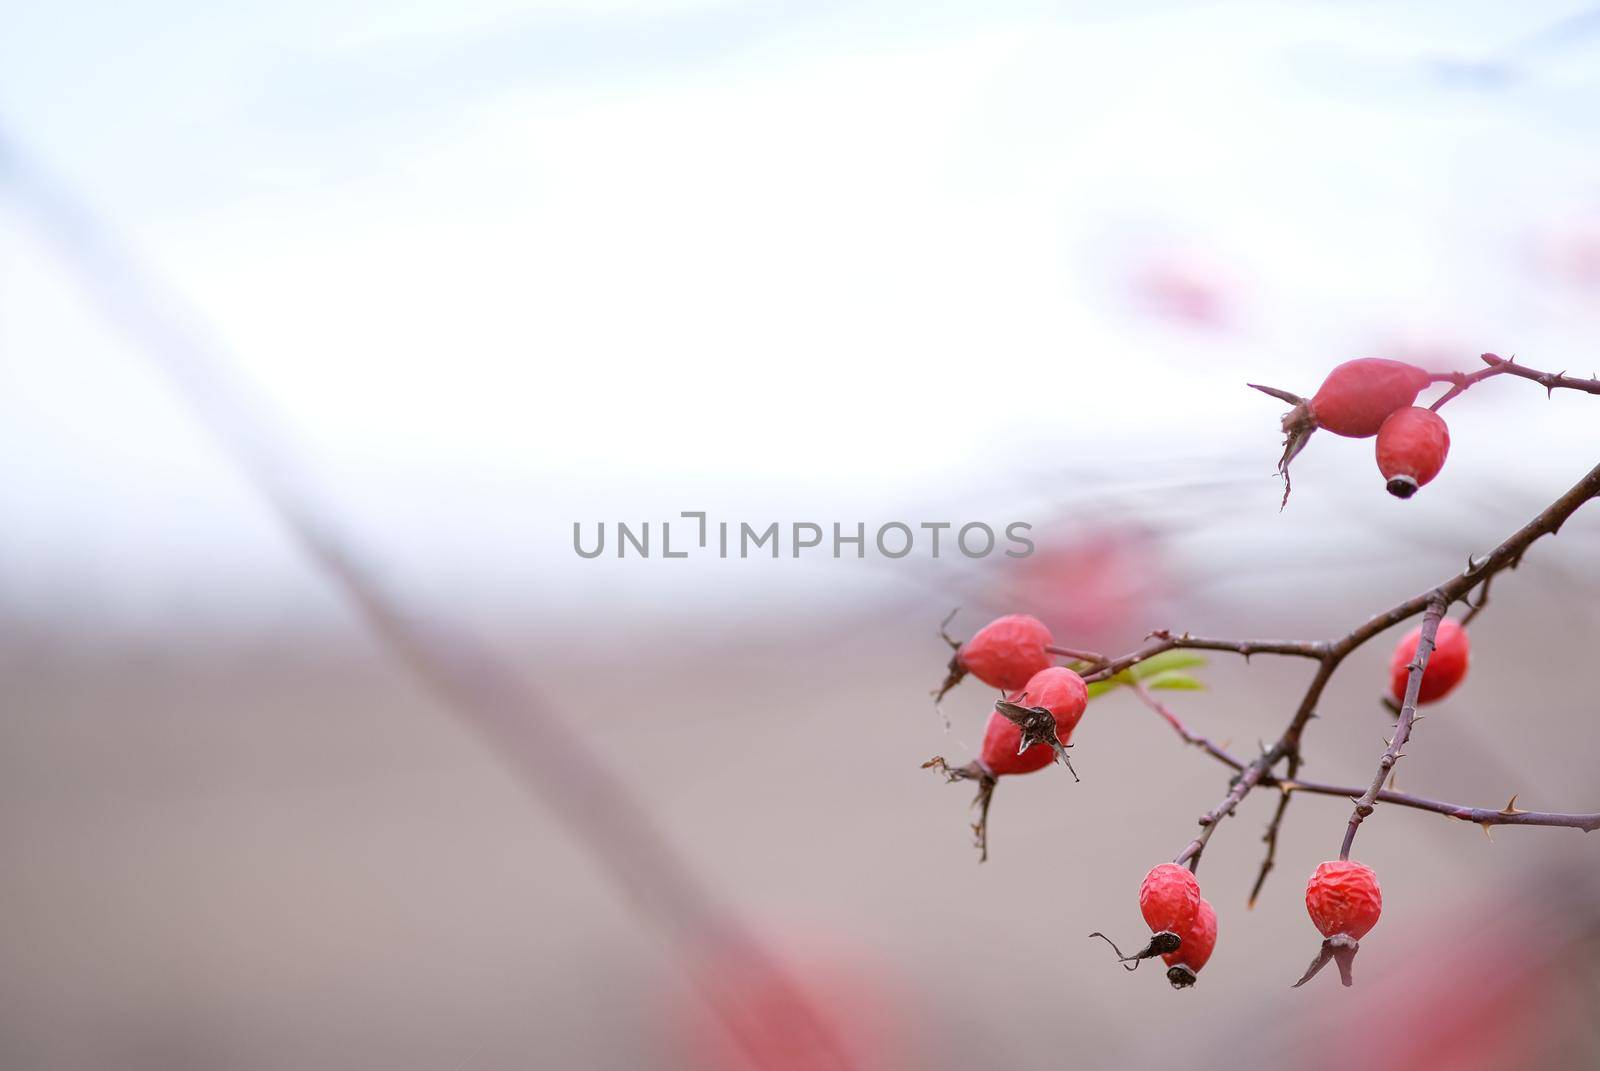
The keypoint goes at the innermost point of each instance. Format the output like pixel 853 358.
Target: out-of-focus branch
pixel 460 669
pixel 1189 737
pixel 1476 608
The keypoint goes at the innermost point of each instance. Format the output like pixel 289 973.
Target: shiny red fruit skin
pixel 1199 940
pixel 1359 395
pixel 1343 897
pixel 1007 651
pixel 1060 691
pixel 1169 898
pixel 1413 442
pixel 1446 666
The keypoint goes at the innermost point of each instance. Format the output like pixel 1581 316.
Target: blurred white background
pixel 502 267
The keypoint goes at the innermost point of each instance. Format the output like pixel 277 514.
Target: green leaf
pixel 1175 680
pixel 1162 671
pixel 1164 661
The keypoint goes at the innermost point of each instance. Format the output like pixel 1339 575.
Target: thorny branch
pixel 1288 785
pixel 1270 837
pixel 1402 728
pixel 1330 654
pixel 1167 641
pixel 1550 381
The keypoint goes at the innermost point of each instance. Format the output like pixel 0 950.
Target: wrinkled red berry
pixel 1199 941
pixel 1169 898
pixel 1007 651
pixel 1344 902
pixel 1004 654
pixel 1359 395
pixel 1060 691
pixel 1343 897
pixel 1412 446
pixel 1446 665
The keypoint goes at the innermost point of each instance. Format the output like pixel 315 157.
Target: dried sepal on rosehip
pixel 1344 902
pixel 1354 401
pixel 1027 731
pixel 1447 665
pixel 1169 900
pixel 1412 446
pixel 1004 654
pixel 1044 715
pixel 1198 942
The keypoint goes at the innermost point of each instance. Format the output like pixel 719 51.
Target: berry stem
pixel 1077 654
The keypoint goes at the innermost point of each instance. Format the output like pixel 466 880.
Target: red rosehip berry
pixel 1058 690
pixel 1015 742
pixel 1412 445
pixel 1004 654
pixel 1354 401
pixel 1343 897
pixel 1359 395
pixel 1199 941
pixel 1344 902
pixel 1169 898
pixel 1447 665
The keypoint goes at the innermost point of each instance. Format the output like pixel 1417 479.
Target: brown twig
pixel 1508 815
pixel 1331 654
pixel 1165 640
pixel 1289 785
pixel 1077 654
pixel 1243 783
pixel 1402 728
pixel 1476 608
pixel 1551 381
pixel 1269 858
